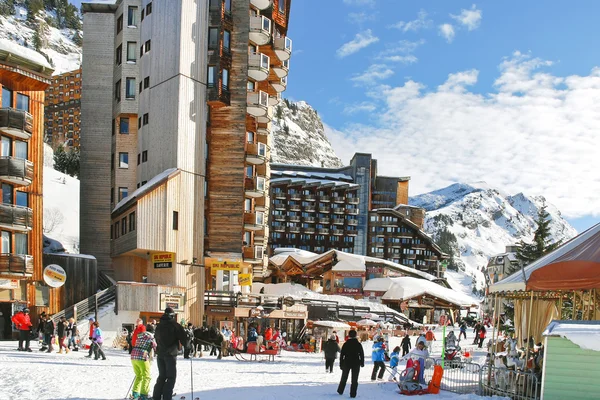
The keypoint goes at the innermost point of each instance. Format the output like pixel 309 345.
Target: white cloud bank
pixel 536 133
pixel 469 18
pixel 360 41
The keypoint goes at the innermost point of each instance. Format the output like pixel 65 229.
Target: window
pixel 175 220
pixel 225 77
pixel 21 243
pixel 146 82
pixel 139 122
pixel 228 6
pixel 6 243
pixel 249 171
pixel 144 156
pixel 119 55
pixel 214 4
pixel 260 218
pixel 6 146
pixel 282 6
pixel 132 222
pixel 130 88
pixel 226 41
pixel 117 230
pixel 145 119
pixel 212 70
pixel 22 102
pixel 122 193
pixel 124 226
pixel 7 193
pixel 251 86
pixel 250 137
pixel 22 199
pixel 248 205
pixel 131 48
pixel 124 125
pixel 132 16
pixel 147 46
pixel 112 161
pixel 21 149
pixel 139 160
pixel 123 160
pixel 213 38
pixel 149 9
pixel 7 97
pixel 120 23
pixel 118 90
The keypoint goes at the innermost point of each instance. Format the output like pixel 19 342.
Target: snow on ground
pixel 61 198
pixel 292 376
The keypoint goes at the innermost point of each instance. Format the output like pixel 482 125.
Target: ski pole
pixel 130 386
pixel 192 376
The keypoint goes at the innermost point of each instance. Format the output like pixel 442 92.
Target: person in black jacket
pixel 331 348
pixel 189 341
pixel 170 336
pixel 49 334
pixel 352 358
pixel 405 345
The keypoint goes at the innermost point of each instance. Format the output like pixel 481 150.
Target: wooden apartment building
pixel 62 124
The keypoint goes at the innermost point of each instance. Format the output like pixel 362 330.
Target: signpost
pixel 245 279
pixel 54 275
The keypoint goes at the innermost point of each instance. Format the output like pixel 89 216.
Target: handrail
pixel 89 305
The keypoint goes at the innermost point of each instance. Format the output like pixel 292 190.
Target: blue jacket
pixel 378 352
pixel 394 358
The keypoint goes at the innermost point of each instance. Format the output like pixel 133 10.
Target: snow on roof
pixel 310 181
pixel 333 324
pixel 585 334
pixel 406 287
pixel 378 285
pixel 25 53
pixel 349 265
pixel 145 188
pixel 288 250
pixel 313 174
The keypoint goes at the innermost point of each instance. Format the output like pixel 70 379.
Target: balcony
pixel 338 221
pixel 324 199
pixel 268 117
pixel 309 197
pixel 410 256
pixel 324 221
pixel 351 232
pixel 310 208
pixel 352 222
pixel 353 200
pixel 419 246
pixel 253 254
pixel 260 30
pixel 280 206
pixel 255 187
pixel 339 199
pixel 378 244
pixel 274 100
pixel 324 209
pixel 258 66
pixel 295 207
pixel 339 210
pixel 218 95
pixel 258 104
pixel 295 195
pixel 293 229
pixel 278 228
pixel 378 255
pixel 337 232
pixel 280 85
pixel 17 171
pixel 283 48
pixel 16 264
pixel 352 211
pixel 283 69
pixel 16 218
pixel 310 231
pixel 309 220
pixel 294 218
pixel 280 195
pixel 395 245
pixel 261 4
pixel 264 129
pixel 17 123
pixel 278 217
pixel 323 231
pixel 254 221
pixel 256 153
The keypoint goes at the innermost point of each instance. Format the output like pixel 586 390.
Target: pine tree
pixel 7 7
pixel 77 39
pixel 37 40
pixel 542 242
pixel 60 160
pixel 279 113
pixel 33 7
pixel 286 129
pixel 73 162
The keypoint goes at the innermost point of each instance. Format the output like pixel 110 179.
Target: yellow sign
pixel 54 275
pixel 225 266
pixel 245 279
pixel 163 257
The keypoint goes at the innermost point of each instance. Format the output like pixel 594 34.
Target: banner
pixel 245 279
pixel 163 260
pixel 225 265
pixel 9 283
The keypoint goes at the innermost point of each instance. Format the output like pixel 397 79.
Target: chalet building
pixel 502 265
pixel 24 75
pixel 355 188
pixel 178 98
pixel 62 124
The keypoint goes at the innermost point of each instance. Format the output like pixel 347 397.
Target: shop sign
pixel 294 314
pixel 347 274
pixel 220 310
pixel 9 283
pixel 225 265
pixel 289 301
pixel 258 313
pixel 55 276
pixel 344 290
pixel 175 301
pixel 374 270
pixel 245 279
pixel 163 260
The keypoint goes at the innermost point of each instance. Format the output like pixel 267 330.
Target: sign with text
pixel 225 266
pixel 245 279
pixel 55 276
pixel 219 310
pixel 349 274
pixel 346 290
pixel 163 260
pixel 9 283
pixel 175 301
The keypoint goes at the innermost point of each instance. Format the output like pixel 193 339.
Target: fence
pixel 517 385
pixel 459 377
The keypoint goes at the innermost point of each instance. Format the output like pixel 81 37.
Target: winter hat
pixel 150 328
pixel 92 319
pixel 352 334
pixel 421 340
pixel 169 311
pixel 26 310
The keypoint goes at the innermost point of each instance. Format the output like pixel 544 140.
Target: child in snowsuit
pixel 331 348
pixel 406 345
pixel 394 358
pixel 419 354
pixel 378 356
pixel 97 341
pixel 140 360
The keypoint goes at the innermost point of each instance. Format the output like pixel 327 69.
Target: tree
pixel 37 40
pixel 60 159
pixel 53 218
pixel 7 7
pixel 73 162
pixel 279 112
pixel 542 242
pixel 33 7
pixel 77 39
pixel 67 162
pixel 449 245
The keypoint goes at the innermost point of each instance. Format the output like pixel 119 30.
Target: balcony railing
pixel 410 256
pixel 255 186
pixel 353 200
pixel 310 231
pixel 351 232
pixel 309 220
pixel 279 195
pixel 323 231
pixel 337 232
pixel 352 222
pixel 293 229
pixel 17 123
pixel 283 69
pixel 264 129
pixel 278 228
pixel 260 30
pixel 339 210
pixel 261 4
pixel 258 103
pixel 309 197
pixel 254 221
pixel 256 153
pixel 278 217
pixel 16 217
pixel 258 66
pixel 218 95
pixel 280 84
pixel 268 116
pixel 324 209
pixel 324 199
pixel 338 221
pixel 338 199
pixel 419 246
pixel 16 170
pixel 294 207
pixel 295 195
pixel 324 220
pixel 16 264
pixel 253 254
pixel 309 208
pixel 352 211
pixel 283 48
pixel 294 218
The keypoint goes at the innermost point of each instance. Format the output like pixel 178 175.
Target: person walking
pixel 72 335
pixel 394 360
pixel 476 329
pixel 61 331
pixel 141 355
pixel 406 345
pixel 49 334
pixel 430 338
pixel 481 335
pixel 23 323
pixel 352 359
pixel 378 356
pixel 330 348
pixel 189 340
pixel 139 328
pixel 170 336
pixel 97 341
pixel 90 333
pixel 463 330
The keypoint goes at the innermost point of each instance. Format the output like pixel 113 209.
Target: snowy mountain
pixel 299 137
pixel 61 46
pixel 473 222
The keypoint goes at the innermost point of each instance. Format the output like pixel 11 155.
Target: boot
pixel 28 350
pixel 66 351
pixel 60 351
pixel 135 395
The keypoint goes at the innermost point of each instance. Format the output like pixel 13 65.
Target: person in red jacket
pixel 139 328
pixel 268 334
pixel 23 324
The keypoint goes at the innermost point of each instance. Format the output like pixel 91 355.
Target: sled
pixel 436 380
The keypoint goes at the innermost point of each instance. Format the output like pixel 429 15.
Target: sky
pixel 503 92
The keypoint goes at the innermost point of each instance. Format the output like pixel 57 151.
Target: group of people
pixel 64 333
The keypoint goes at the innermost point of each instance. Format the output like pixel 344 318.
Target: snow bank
pixel 585 334
pixel 405 288
pixel 61 202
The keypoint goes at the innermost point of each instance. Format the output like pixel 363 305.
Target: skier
pixel 378 356
pixel 463 330
pixel 405 345
pixel 330 348
pixel 141 355
pixel 97 341
pixel 352 358
pixel 394 358
pixel 61 331
pixel 170 336
pixel 23 323
pixel 139 328
pixel 189 340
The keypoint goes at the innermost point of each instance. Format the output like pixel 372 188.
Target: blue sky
pixel 505 99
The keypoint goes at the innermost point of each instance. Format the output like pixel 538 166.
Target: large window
pixel 225 75
pixel 226 41
pixel 211 79
pixel 131 50
pixel 21 149
pixel 228 6
pixel 22 102
pixel 6 243
pixel 7 193
pixel 282 6
pixel 6 146
pixel 122 193
pixel 123 160
pixel 21 243
pixel 213 38
pixel 124 125
pixel 22 199
pixel 7 96
pixel 132 16
pixel 130 88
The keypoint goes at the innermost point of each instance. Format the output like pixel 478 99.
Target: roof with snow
pixel 314 182
pixel 144 189
pixel 312 175
pixel 406 288
pixel 14 54
pixel 585 334
pixel 99 6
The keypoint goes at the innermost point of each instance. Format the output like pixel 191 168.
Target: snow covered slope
pixel 299 137
pixel 57 44
pixel 473 222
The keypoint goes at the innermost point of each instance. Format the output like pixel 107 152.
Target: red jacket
pixel 138 329
pixel 269 334
pixel 22 321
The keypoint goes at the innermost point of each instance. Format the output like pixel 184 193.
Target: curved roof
pixel 406 288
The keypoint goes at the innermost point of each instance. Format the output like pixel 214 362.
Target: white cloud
pixel 401 52
pixel 375 72
pixel 447 31
pixel 537 134
pixel 360 3
pixel 471 19
pixel 420 23
pixel 360 107
pixel 361 17
pixel 360 41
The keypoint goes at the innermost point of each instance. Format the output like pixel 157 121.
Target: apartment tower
pixel 63 111
pixel 177 99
